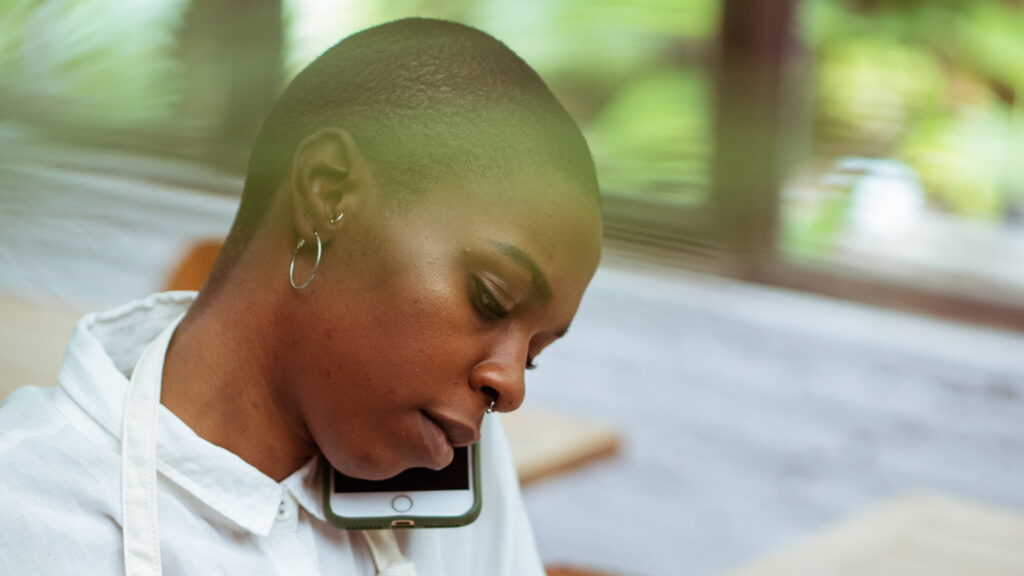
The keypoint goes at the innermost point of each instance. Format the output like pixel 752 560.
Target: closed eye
pixel 486 303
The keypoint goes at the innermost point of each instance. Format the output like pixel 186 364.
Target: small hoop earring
pixel 334 221
pixel 316 265
pixel 490 409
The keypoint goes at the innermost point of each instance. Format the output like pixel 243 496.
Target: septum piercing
pixel 490 409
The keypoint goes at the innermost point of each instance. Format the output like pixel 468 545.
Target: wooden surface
pixel 33 337
pixel 915 535
pixel 545 443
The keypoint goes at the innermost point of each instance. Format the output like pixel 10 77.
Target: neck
pixel 219 378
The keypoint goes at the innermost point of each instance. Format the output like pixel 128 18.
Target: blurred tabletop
pixel 33 337
pixel 920 534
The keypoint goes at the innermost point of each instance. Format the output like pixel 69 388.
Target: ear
pixel 328 176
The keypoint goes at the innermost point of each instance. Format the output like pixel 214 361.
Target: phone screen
pixel 455 476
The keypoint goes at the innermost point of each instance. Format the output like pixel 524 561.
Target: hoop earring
pixel 334 221
pixel 316 265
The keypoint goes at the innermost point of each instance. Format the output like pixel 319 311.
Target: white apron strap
pixel 387 556
pixel 139 528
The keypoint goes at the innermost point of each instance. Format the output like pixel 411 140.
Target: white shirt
pixel 60 493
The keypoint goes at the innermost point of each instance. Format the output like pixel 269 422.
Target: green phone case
pixel 402 520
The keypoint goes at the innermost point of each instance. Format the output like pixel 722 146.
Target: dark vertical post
pixel 253 45
pixel 755 42
pixel 233 54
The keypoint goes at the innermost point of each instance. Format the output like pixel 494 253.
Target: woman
pixel 420 220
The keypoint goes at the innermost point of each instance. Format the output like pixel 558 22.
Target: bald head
pixel 425 101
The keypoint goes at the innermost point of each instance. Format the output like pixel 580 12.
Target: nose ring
pixel 490 409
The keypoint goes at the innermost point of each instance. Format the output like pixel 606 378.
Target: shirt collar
pixel 100 358
pixel 305 486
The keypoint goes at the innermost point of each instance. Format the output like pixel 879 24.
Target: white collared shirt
pixel 60 494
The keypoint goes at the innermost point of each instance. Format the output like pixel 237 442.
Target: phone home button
pixel 401 503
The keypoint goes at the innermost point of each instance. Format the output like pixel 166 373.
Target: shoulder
pixel 42 428
pixel 58 489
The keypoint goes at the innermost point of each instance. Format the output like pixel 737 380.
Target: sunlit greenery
pixel 652 137
pixel 615 64
pixel 98 61
pixel 935 84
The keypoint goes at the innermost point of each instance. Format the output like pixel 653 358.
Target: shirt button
pixel 283 511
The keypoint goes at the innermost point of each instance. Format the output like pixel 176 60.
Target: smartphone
pixel 416 498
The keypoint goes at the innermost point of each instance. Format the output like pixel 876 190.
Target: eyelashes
pixel 487 305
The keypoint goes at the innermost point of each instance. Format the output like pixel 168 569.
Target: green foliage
pixel 596 39
pixel 652 138
pixel 960 159
pixel 810 224
pixel 919 80
pixel 665 18
pixel 103 61
pixel 612 61
pixel 874 87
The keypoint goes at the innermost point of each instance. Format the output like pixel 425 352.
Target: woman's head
pixel 471 227
pixel 426 101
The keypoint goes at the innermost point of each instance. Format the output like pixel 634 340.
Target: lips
pixel 458 432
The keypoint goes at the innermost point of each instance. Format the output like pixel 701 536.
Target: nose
pixel 501 380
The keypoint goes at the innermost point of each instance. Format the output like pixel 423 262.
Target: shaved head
pixel 426 101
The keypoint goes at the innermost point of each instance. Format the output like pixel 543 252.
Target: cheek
pixel 395 342
pixel 420 312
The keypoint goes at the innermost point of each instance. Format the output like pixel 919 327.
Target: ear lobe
pixel 321 180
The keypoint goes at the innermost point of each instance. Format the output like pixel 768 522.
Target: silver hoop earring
pixel 334 221
pixel 490 409
pixel 316 265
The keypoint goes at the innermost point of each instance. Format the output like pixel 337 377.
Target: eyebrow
pixel 540 282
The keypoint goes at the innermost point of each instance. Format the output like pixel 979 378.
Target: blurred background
pixel 811 298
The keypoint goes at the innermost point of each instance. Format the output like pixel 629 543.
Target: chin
pixel 374 475
pixel 368 471
pixel 433 466
pixel 374 466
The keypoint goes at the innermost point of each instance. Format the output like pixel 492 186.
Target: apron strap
pixel 387 556
pixel 139 527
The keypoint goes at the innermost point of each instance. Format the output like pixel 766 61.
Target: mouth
pixel 439 449
pixel 457 432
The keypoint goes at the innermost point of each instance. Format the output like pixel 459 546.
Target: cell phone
pixel 416 498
